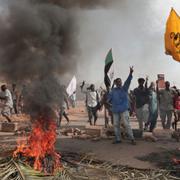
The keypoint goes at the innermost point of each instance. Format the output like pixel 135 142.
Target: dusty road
pixel 124 153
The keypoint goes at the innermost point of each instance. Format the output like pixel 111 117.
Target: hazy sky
pixel 134 29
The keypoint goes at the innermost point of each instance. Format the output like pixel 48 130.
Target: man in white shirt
pixel 92 100
pixel 8 102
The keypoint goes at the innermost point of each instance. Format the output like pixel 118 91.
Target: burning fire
pixel 40 145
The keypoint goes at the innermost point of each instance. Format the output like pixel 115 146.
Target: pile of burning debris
pixel 36 158
pixel 38 149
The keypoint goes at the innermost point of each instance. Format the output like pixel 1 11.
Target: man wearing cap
pixel 141 94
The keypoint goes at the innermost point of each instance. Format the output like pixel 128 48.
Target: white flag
pixel 72 86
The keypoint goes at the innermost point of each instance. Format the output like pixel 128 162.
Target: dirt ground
pixel 123 154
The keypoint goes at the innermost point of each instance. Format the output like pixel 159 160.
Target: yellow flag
pixel 172 35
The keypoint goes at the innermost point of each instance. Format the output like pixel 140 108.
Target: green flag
pixel 108 71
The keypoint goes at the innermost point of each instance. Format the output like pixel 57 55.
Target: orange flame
pixel 39 144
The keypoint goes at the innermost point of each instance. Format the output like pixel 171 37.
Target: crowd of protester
pixel 147 102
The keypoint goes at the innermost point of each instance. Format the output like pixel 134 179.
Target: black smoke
pixel 37 46
pixel 84 4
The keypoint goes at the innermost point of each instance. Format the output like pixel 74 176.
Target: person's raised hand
pixel 131 69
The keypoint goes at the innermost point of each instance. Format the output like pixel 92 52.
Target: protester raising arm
pixel 82 86
pixel 146 83
pixel 128 81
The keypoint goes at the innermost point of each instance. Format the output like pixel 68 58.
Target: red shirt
pixel 177 103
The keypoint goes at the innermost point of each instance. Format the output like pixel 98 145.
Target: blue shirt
pixel 118 97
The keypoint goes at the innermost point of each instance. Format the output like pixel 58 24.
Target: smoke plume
pixel 37 45
pixel 85 4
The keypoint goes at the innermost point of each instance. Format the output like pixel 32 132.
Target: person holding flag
pixel 108 77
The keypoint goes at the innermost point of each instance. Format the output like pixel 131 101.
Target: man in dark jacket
pixel 141 94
